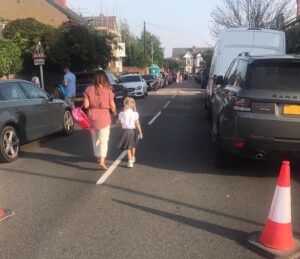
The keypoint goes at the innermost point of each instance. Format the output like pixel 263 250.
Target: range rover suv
pixel 256 107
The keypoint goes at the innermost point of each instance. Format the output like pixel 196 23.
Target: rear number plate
pixel 291 109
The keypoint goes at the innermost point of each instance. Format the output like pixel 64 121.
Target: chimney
pixel 62 3
pixel 298 8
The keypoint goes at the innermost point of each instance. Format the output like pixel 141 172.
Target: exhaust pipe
pixel 259 156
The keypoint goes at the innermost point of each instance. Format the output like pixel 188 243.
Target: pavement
pixel 175 202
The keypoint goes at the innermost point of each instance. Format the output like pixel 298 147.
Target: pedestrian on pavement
pixel 130 122
pixel 99 101
pixel 35 79
pixel 70 86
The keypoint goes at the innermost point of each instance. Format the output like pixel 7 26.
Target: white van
pixel 235 41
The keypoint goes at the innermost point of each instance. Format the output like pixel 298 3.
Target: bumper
pixel 136 93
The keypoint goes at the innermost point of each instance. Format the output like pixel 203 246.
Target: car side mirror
pixel 219 80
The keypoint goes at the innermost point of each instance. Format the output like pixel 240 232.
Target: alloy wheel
pixel 11 143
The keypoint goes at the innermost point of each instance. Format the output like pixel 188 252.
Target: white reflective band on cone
pixel 280 211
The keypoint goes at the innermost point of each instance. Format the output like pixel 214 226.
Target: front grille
pixel 130 89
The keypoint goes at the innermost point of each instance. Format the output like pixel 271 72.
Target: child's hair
pixel 129 103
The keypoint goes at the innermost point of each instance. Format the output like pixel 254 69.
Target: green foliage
pixel 135 48
pixel 207 56
pixel 173 64
pixel 25 33
pixel 10 57
pixel 293 40
pixel 79 46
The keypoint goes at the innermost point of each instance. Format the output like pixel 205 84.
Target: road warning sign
pixel 39 52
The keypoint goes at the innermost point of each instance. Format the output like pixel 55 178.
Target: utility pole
pixel 152 52
pixel 145 43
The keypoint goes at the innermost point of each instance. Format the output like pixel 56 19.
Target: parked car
pixel 135 84
pixel 256 108
pixel 161 81
pixel 28 113
pixel 151 81
pixel 234 41
pixel 84 79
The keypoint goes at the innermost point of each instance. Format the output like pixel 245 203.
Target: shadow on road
pixel 229 233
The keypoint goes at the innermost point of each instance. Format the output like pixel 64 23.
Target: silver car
pixel 256 107
pixel 28 113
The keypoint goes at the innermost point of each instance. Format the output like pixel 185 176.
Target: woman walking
pixel 99 101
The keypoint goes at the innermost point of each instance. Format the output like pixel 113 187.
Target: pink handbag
pixel 81 119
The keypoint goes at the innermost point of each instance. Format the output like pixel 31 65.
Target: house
pixel 50 12
pixel 109 25
pixel 191 58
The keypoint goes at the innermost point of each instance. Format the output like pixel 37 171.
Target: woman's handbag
pixel 81 119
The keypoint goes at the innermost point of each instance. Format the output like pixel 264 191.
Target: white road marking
pixel 167 104
pixel 111 168
pixel 173 96
pixel 154 118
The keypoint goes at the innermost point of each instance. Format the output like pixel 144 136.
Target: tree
pixel 135 48
pixel 293 40
pixel 25 33
pixel 270 14
pixel 10 57
pixel 173 64
pixel 207 56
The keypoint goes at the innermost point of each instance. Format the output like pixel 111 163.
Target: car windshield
pixel 276 76
pixel 128 79
pixel 148 77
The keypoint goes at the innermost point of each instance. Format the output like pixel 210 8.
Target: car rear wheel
pixel 10 144
pixel 68 123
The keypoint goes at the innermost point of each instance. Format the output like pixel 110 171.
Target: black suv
pixel 256 107
pixel 84 79
pixel 152 82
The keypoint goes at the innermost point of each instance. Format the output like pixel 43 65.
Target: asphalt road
pixel 175 203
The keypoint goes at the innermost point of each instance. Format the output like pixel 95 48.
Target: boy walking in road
pixel 70 86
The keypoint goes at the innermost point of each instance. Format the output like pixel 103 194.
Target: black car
pixel 256 108
pixel 28 113
pixel 84 79
pixel 152 82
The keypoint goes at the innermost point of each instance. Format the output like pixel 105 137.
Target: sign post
pixel 39 58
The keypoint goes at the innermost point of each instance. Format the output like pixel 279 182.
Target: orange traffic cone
pixel 5 214
pixel 278 233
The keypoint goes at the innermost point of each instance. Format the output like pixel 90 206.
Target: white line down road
pixel 154 118
pixel 167 104
pixel 112 168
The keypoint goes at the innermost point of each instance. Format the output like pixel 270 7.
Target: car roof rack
pixel 247 54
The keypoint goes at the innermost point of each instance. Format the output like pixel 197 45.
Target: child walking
pixel 130 122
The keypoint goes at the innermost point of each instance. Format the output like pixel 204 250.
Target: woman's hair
pixel 129 103
pixel 101 79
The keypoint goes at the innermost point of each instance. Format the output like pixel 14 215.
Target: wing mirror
pixel 219 80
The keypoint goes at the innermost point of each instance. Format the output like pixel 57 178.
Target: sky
pixel 178 23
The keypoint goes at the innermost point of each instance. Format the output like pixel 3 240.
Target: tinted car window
pixel 32 91
pixel 127 79
pixel 241 74
pixel 232 74
pixel 10 92
pixel 149 77
pixel 276 76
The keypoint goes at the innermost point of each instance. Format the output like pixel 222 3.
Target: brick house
pixel 50 12
pixel 109 25
pixel 191 58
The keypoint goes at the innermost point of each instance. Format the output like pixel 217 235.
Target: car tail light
pixel 242 104
pixel 238 144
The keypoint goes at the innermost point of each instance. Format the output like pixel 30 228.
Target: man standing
pixel 70 86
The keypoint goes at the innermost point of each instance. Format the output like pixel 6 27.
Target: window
pixel 276 75
pixel 232 74
pixel 241 74
pixel 129 79
pixel 10 92
pixel 33 92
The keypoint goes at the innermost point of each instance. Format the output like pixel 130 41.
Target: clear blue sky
pixel 178 23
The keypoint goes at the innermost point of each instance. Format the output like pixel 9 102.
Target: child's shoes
pixel 130 164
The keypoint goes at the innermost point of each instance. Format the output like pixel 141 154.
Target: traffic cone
pixel 278 233
pixel 5 214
